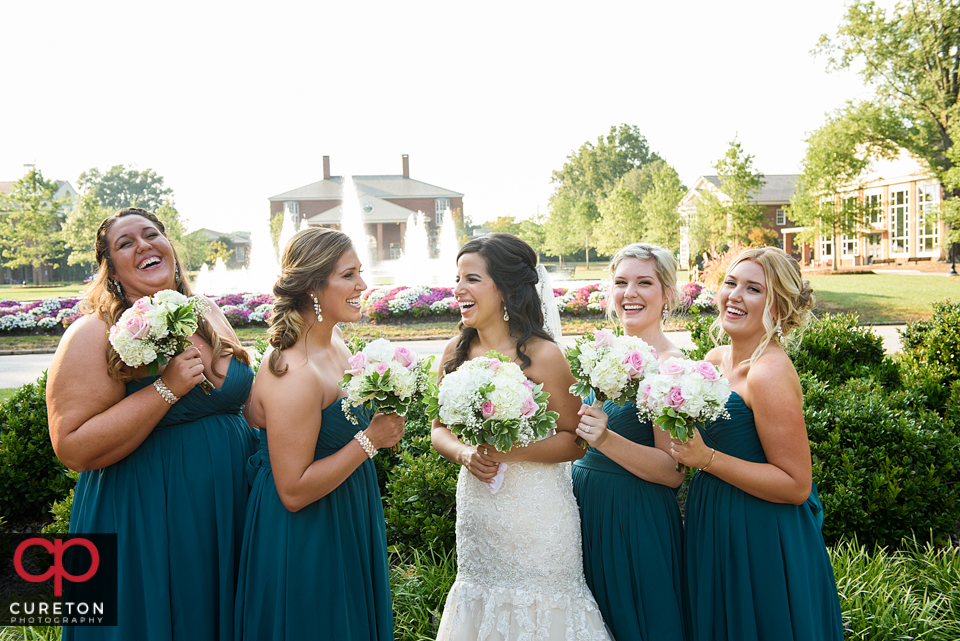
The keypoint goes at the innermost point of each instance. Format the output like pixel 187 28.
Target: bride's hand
pixel 478 460
pixel 592 427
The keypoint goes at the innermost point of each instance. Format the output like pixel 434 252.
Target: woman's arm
pixel 772 390
pixel 92 422
pixel 292 406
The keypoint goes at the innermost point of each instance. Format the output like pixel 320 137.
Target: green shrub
pixel 60 510
pixel 699 327
pixel 884 467
pixel 420 499
pixel 930 360
pixel 420 580
pixel 836 348
pixel 31 476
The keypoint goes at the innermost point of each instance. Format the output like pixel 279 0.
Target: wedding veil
pixel 551 316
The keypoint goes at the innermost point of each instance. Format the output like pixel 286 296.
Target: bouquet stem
pixel 206 386
pixel 597 404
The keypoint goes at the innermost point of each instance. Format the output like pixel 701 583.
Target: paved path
pixel 21 369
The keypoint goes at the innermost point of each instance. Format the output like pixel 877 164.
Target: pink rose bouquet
pixel 155 329
pixel 611 365
pixel 683 394
pixel 386 378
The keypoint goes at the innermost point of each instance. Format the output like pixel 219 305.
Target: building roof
pixel 376 210
pixel 776 188
pixel 237 238
pixel 385 186
pixel 64 188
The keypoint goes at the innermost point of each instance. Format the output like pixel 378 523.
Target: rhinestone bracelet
pixel 165 392
pixel 365 444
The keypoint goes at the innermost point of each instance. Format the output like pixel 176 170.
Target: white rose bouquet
pixel 386 378
pixel 611 365
pixel 684 393
pixel 156 328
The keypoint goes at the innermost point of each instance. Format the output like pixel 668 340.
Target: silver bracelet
pixel 365 444
pixel 165 392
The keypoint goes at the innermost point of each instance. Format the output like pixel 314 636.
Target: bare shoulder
pixel 86 338
pixel 544 350
pixel 716 355
pixel 547 361
pixel 299 385
pixel 772 372
pixel 216 318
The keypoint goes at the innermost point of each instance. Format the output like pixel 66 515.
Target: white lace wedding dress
pixel 519 561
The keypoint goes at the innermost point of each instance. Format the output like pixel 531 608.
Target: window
pixel 781 217
pixel 899 222
pixel 438 217
pixel 442 205
pixel 848 241
pixel 848 245
pixel 292 210
pixel 928 226
pixel 826 247
pixel 875 209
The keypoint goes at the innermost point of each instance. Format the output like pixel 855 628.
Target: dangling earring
pixel 779 333
pixel 176 273
pixel 117 288
pixel 316 308
pixel 506 316
pixel 666 313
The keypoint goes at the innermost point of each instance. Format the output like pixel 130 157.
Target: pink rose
pixel 405 356
pixel 488 410
pixel 357 363
pixel 707 370
pixel 635 363
pixel 137 325
pixel 382 368
pixel 674 398
pixel 494 364
pixel 603 338
pixel 142 306
pixel 528 384
pixel 529 407
pixel 672 368
pixel 644 394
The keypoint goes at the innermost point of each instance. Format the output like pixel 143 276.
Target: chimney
pixel 406 166
pixel 27 167
pixel 326 167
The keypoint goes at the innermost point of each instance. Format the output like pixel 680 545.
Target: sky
pixel 232 103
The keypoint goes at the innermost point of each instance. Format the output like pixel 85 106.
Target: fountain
pixel 351 220
pixel 259 278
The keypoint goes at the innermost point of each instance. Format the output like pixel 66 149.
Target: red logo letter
pixel 57 572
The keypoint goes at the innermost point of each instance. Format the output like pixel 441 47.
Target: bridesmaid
pixel 627 482
pixel 756 564
pixel 313 564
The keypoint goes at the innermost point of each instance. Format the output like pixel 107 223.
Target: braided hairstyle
pixel 787 292
pixel 512 264
pixel 305 268
pixel 101 298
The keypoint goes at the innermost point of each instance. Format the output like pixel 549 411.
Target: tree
pixel 826 201
pixel 79 232
pixel 30 223
pixel 658 205
pixel 620 221
pixel 220 248
pixel 587 177
pixel 729 214
pixel 119 188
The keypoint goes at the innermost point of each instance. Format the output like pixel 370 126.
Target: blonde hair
pixel 786 288
pixel 664 264
pixel 308 260
pixel 103 299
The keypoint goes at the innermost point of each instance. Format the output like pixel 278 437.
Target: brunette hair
pixel 512 264
pixel 102 298
pixel 307 263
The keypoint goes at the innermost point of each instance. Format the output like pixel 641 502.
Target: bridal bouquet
pixel 683 394
pixel 489 400
pixel 611 365
pixel 387 378
pixel 156 328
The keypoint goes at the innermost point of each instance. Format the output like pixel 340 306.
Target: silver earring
pixel 316 308
pixel 666 313
pixel 117 288
pixel 506 316
pixel 779 333
pixel 176 273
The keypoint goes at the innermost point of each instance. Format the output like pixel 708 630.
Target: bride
pixel 519 563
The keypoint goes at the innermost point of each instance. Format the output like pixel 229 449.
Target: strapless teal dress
pixel 632 539
pixel 177 506
pixel 321 572
pixel 755 570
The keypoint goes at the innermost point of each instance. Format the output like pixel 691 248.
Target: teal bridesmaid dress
pixel 755 570
pixel 321 572
pixel 177 505
pixel 632 539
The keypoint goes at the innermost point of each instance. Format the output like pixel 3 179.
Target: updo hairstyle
pixel 665 266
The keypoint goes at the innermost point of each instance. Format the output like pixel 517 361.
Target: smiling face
pixel 340 299
pixel 477 295
pixel 142 257
pixel 638 295
pixel 743 299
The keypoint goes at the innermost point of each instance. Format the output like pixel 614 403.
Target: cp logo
pixel 56 548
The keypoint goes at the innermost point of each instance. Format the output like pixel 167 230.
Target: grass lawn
pixel 882 298
pixel 20 293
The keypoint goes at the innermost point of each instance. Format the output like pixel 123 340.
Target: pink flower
pixel 603 338
pixel 672 368
pixel 707 370
pixel 488 410
pixel 357 363
pixel 635 363
pixel 382 368
pixel 142 306
pixel 528 384
pixel 644 393
pixel 674 398
pixel 494 364
pixel 405 356
pixel 529 407
pixel 137 325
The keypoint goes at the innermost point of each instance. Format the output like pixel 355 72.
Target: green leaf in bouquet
pixel 153 368
pixel 497 355
pixel 580 389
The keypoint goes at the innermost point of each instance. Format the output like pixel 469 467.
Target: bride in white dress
pixel 519 559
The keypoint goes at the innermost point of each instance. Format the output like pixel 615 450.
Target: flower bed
pixel 43 315
pixel 696 298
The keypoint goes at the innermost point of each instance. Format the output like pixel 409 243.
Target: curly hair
pixel 787 292
pixel 307 263
pixel 665 266
pixel 101 299
pixel 512 264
